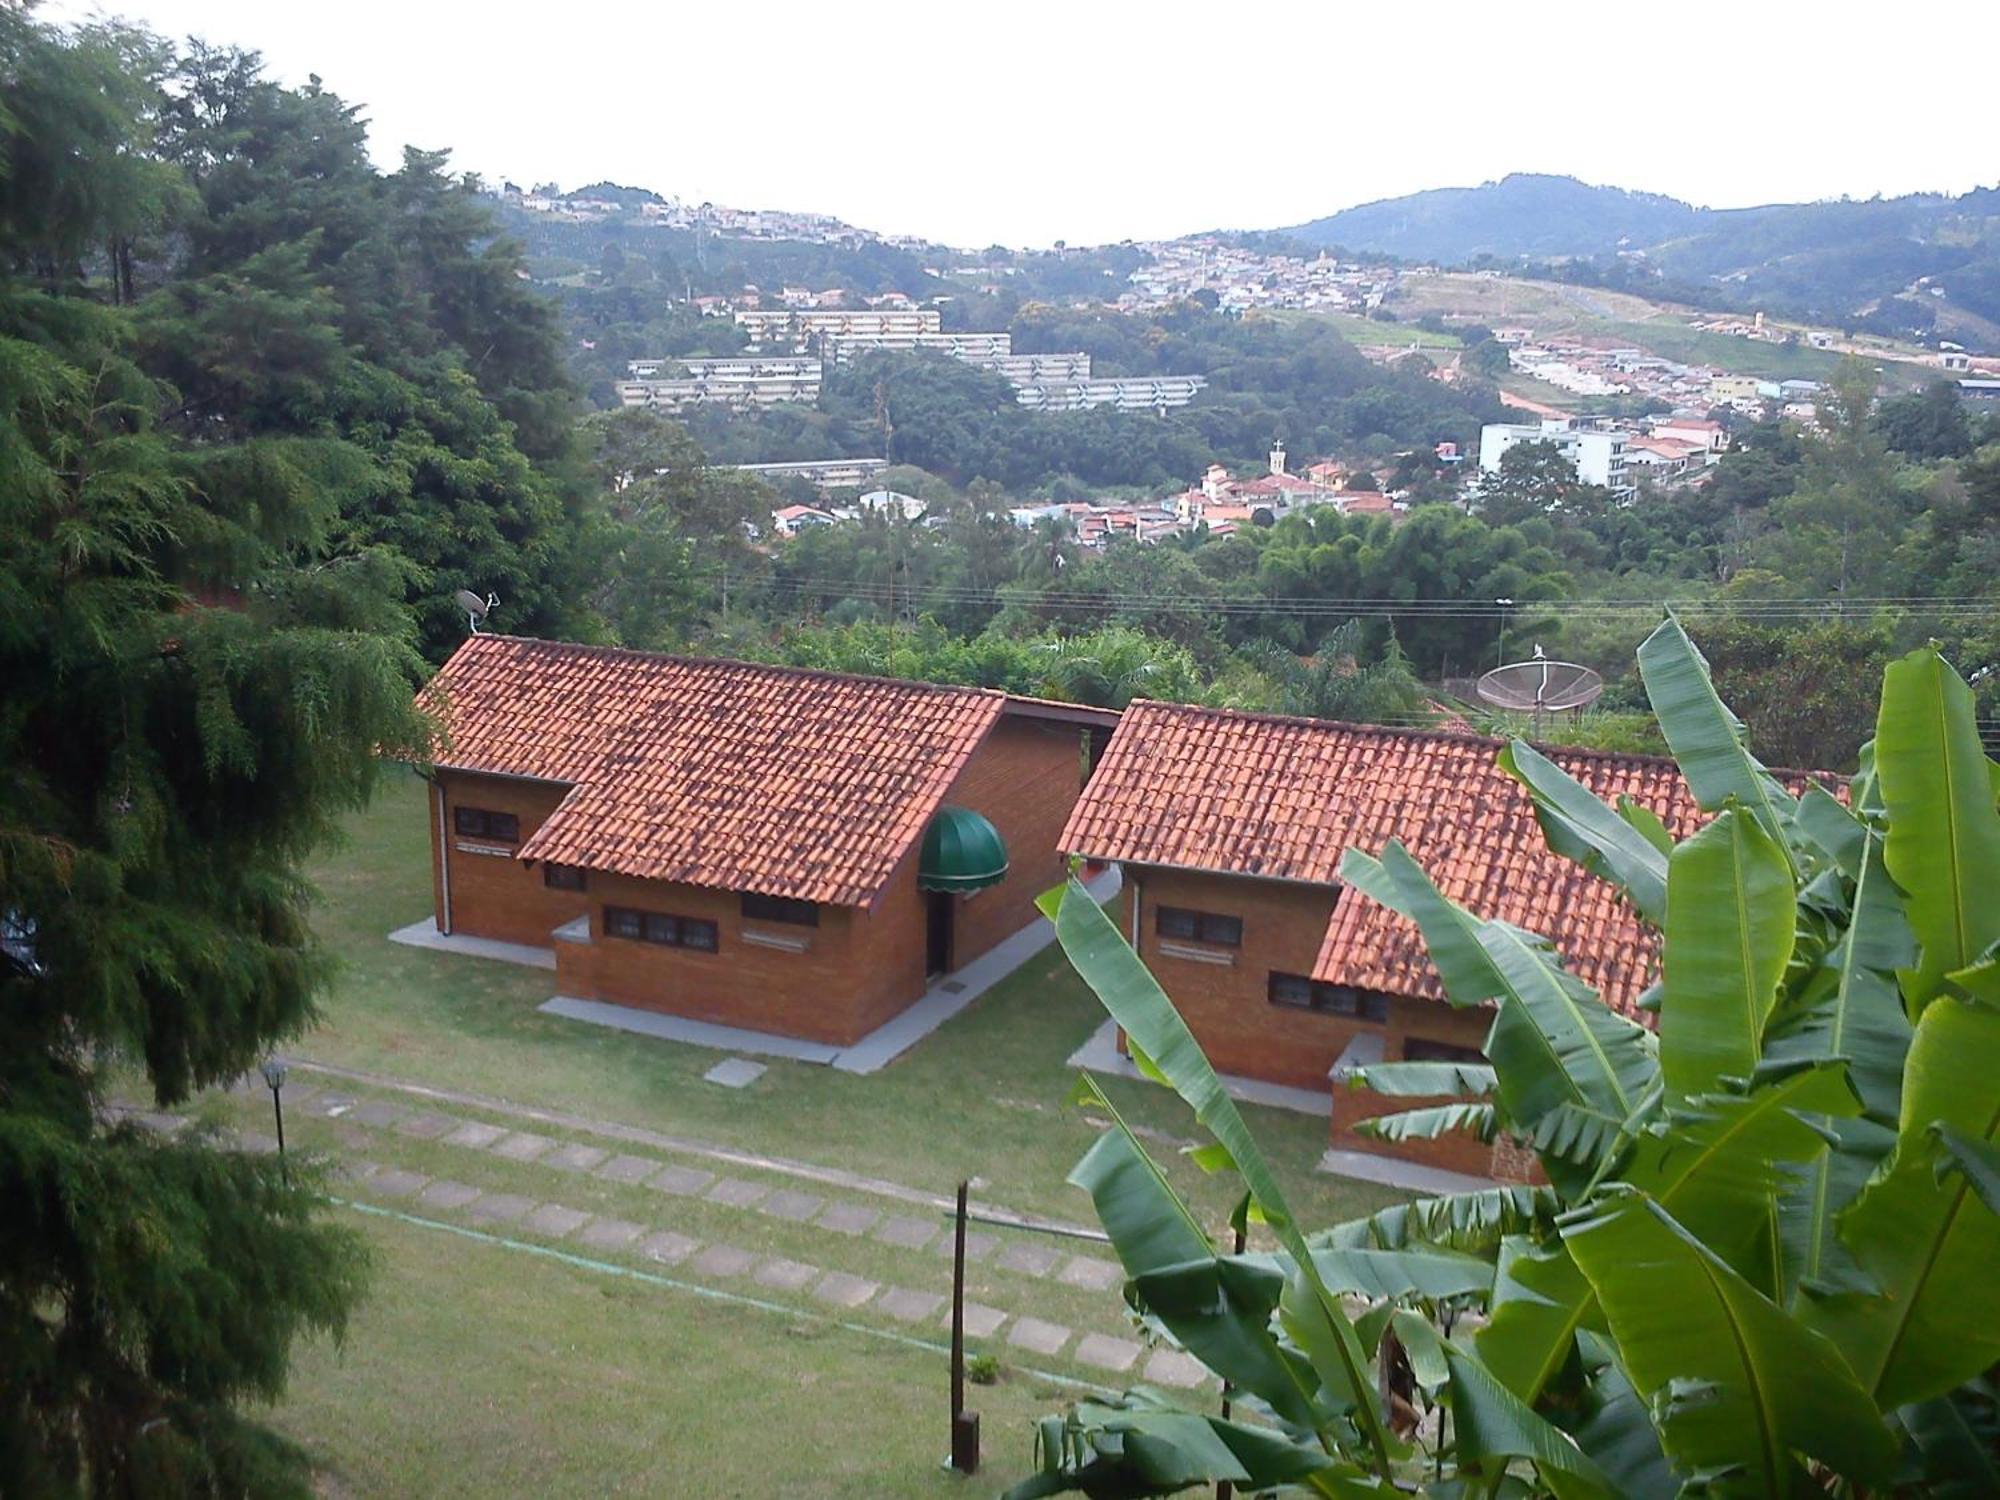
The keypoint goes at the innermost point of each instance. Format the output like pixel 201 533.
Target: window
pixel 1422 1049
pixel 562 877
pixel 1301 993
pixel 780 909
pixel 658 927
pixel 478 823
pixel 1199 926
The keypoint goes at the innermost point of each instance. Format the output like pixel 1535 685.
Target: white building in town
pixel 1598 454
pixel 791 327
pixel 728 382
pixel 1137 393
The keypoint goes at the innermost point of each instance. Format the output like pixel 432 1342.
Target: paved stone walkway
pixel 1022 1262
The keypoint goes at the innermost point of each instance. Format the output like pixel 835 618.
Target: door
pixel 937 932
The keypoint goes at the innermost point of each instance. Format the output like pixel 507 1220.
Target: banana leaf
pixel 1706 738
pixel 1451 934
pixel 1944 833
pixel 1737 1386
pixel 1475 1120
pixel 1581 827
pixel 1616 1430
pixel 1424 1080
pixel 1927 1240
pixel 1137 1003
pixel 1731 913
pixel 1540 1303
pixel 1958 1440
pixel 1143 1448
pixel 1492 1423
pixel 1473 1222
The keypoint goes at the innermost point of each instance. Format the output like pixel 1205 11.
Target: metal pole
pixel 964 1424
pixel 1224 1490
pixel 278 1109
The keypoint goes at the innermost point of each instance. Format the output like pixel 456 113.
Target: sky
pixel 1027 122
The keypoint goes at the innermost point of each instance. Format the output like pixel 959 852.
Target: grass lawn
pixel 478 1369
pixel 1360 330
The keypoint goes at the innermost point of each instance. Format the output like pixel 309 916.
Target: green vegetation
pixel 1762 1262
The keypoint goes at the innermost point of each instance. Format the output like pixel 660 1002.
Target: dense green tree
pixel 1930 423
pixel 165 767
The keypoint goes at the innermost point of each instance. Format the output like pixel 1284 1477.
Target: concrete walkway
pixel 1411 1177
pixel 1101 1055
pixel 424 934
pixel 947 997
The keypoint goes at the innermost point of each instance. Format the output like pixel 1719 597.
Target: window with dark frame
pixel 482 823
pixel 563 877
pixel 660 927
pixel 1297 992
pixel 1198 926
pixel 761 908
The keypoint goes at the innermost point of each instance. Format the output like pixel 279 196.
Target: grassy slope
pixel 478 1370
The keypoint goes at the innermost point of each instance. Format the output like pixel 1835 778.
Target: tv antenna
pixel 1540 686
pixel 476 608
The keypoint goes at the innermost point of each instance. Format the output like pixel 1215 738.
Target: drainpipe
pixel 1138 894
pixel 444 862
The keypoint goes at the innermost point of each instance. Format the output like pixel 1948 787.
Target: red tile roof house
pixel 788 851
pixel 1230 829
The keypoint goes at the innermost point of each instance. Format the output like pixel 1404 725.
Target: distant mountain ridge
pixel 1920 264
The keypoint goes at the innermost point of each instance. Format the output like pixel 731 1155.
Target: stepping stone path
pixel 1171 1367
pixel 686 1181
pixel 980 1320
pixel 910 1234
pixel 444 1193
pixel 609 1234
pixel 910 1307
pixel 500 1208
pixel 1092 1274
pixel 736 1192
pixel 377 1112
pixel 735 1072
pixel 574 1157
pixel 977 1246
pixel 333 1106
pixel 555 1221
pixel 427 1127
pixel 356 1170
pixel 843 1290
pixel 1028 1259
pixel 1036 1335
pixel 521 1145
pixel 723 1260
pixel 1106 1352
pixel 394 1182
pixel 797 1207
pixel 627 1168
pixel 666 1247
pixel 849 1218
pixel 476 1134
pixel 786 1275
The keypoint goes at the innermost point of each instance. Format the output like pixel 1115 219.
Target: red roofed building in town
pixel 783 850
pixel 1231 827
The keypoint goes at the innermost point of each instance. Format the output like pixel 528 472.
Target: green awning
pixel 962 852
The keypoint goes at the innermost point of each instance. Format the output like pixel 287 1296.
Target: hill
pixel 1925 264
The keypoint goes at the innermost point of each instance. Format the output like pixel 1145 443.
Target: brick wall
pixel 494 895
pixel 1224 996
pixel 1024 779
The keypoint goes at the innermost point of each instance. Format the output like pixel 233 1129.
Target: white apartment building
pixel 1134 394
pixel 973 348
pixel 827 473
pixel 728 382
pixel 790 326
pixel 727 368
pixel 1598 454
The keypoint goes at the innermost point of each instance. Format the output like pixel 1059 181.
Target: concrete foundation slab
pixel 424 934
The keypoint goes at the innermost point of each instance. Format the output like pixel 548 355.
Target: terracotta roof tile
pixel 1282 798
pixel 788 782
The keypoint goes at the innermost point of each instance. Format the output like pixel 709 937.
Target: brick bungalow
pixel 1230 828
pixel 789 851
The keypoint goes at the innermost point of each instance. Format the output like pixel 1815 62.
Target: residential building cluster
pixel 772 859
pixel 741 383
pixel 1611 454
pixel 1242 278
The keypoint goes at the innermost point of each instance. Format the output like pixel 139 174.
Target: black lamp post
pixel 274 1076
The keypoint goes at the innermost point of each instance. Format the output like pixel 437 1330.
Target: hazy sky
pixel 1026 122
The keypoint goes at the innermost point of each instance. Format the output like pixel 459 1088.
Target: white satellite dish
pixel 476 608
pixel 1540 686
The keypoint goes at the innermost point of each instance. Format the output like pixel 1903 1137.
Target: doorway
pixel 937 933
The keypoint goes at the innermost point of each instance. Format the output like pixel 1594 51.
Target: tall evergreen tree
pixel 197 684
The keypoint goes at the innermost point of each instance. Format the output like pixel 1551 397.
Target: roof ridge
pixel 1459 736
pixel 783 669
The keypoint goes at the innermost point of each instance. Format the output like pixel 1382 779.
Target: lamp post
pixel 1505 605
pixel 274 1077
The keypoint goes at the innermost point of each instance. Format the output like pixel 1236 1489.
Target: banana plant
pixel 1763 1260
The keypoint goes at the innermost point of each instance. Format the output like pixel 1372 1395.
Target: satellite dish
pixel 1540 686
pixel 476 608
